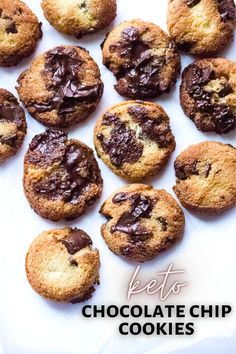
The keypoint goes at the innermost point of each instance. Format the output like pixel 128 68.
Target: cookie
pixel 62 87
pixel 208 94
pixel 62 266
pixel 201 27
pixel 12 125
pixel 134 139
pixel 206 177
pixel 19 32
pixel 61 176
pixel 144 60
pixel 79 17
pixel 142 222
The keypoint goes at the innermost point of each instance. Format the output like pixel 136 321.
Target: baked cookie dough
pixel 201 27
pixel 12 125
pixel 62 87
pixel 62 266
pixel 79 17
pixel 61 176
pixel 134 139
pixel 208 94
pixel 206 177
pixel 19 32
pixel 144 60
pixel 142 222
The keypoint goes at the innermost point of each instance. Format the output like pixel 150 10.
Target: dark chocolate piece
pixel 183 172
pixel 11 28
pixel 192 3
pixel 76 240
pixel 226 10
pixel 120 197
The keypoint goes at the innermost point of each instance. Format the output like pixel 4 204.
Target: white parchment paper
pixel 29 324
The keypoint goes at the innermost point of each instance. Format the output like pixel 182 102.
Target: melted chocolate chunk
pixel 11 113
pixel 63 65
pixel 77 167
pixel 157 130
pixel 184 171
pixel 192 3
pixel 208 169
pixel 122 146
pixel 142 69
pixel 164 224
pixel 223 117
pixel 226 9
pixel 76 240
pixel 11 28
pixel 129 223
pixel 120 198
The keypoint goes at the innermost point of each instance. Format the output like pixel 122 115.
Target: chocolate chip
pixel 109 118
pixel 122 145
pixel 192 3
pixel 157 130
pixel 208 168
pixel 184 171
pixel 129 223
pixel 76 241
pixel 120 197
pixel 164 224
pixel 226 90
pixel 11 28
pixel 226 9
pixel 63 66
pixel 222 116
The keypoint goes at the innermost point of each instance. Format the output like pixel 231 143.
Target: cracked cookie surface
pixel 62 266
pixel 201 27
pixel 79 17
pixel 19 32
pixel 144 60
pixel 12 125
pixel 62 87
pixel 141 222
pixel 206 177
pixel 61 176
pixel 134 139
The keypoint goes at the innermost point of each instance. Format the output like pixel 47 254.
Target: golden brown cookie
pixel 208 94
pixel 206 177
pixel 134 139
pixel 141 222
pixel 19 32
pixel 143 58
pixel 62 266
pixel 201 27
pixel 62 87
pixel 61 176
pixel 79 17
pixel 13 125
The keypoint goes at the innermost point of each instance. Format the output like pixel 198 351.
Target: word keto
pixel 152 287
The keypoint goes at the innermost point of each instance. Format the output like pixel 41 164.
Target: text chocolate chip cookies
pixel 206 177
pixel 12 125
pixel 19 32
pixel 201 27
pixel 62 266
pixel 143 58
pixel 134 139
pixel 62 87
pixel 79 17
pixel 141 222
pixel 61 176
pixel 208 94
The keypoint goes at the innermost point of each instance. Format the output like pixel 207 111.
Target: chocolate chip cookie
pixel 208 94
pixel 19 32
pixel 201 27
pixel 62 87
pixel 206 177
pixel 79 17
pixel 141 222
pixel 61 176
pixel 134 139
pixel 12 125
pixel 143 58
pixel 62 266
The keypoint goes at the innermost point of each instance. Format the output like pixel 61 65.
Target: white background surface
pixel 29 324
